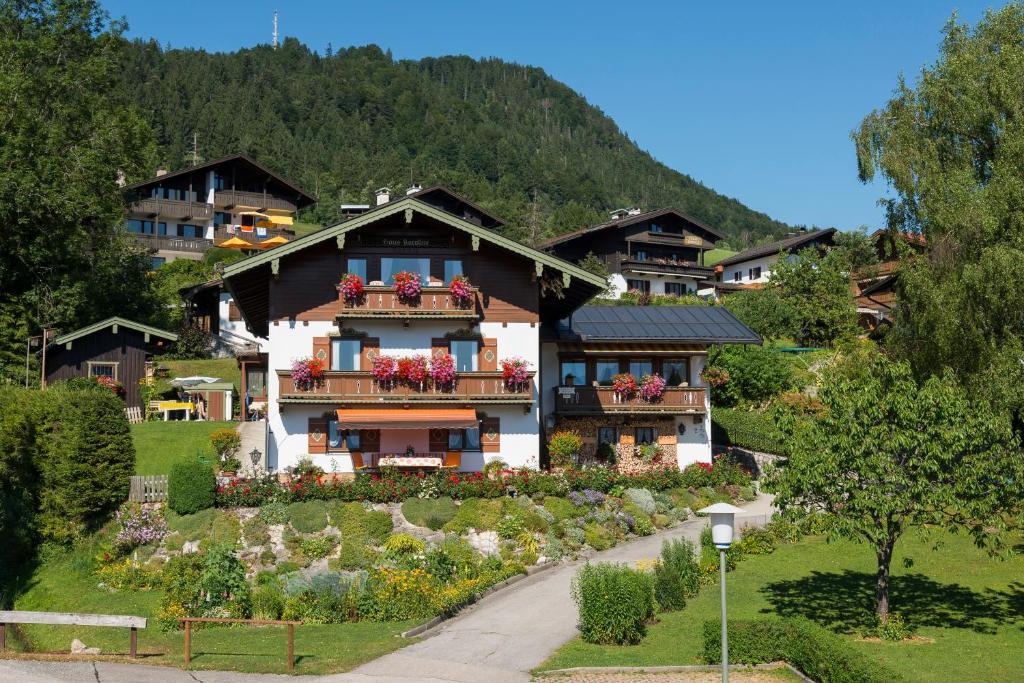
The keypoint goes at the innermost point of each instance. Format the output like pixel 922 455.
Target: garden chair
pixel 357 461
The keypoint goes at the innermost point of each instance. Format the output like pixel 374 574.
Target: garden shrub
pixel 138 526
pixel 676 575
pixel 256 532
pixel 643 526
pixel 309 517
pixel 746 429
pixel 661 521
pixel 564 448
pixel 287 567
pixel 226 443
pixel 318 547
pixel 894 629
pixel 353 520
pixel 561 508
pixel 274 512
pixel 615 603
pixel 225 530
pixel 267 602
pixel 404 544
pixel 378 525
pixel 819 653
pixel 211 583
pixel 754 541
pixel 756 374
pixel 399 594
pixel 19 478
pixel 190 487
pixel 432 513
pixel 194 527
pixel 598 537
pixel 128 574
pixel 663 502
pixel 510 527
pixel 475 513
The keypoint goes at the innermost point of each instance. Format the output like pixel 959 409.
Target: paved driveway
pixel 500 639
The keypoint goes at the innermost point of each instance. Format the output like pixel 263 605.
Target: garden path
pixel 501 638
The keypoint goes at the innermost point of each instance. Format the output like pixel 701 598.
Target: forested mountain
pixel 510 137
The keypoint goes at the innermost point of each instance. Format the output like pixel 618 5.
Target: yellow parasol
pixel 271 243
pixel 236 243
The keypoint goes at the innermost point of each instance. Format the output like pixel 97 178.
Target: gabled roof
pixel 788 244
pixel 259 267
pixel 244 158
pixel 431 194
pixel 700 324
pixel 110 322
pixel 629 220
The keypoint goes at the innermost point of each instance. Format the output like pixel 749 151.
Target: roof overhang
pixel 115 323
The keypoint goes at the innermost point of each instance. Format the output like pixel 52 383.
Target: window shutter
pixel 370 439
pixel 490 434
pixel 233 312
pixel 488 360
pixel 317 435
pixel 370 350
pixel 438 347
pixel 322 351
pixel 438 440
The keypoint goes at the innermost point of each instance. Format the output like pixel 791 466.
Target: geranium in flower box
pixel 111 383
pixel 515 373
pixel 442 371
pixel 351 288
pixel 624 385
pixel 652 388
pixel 385 370
pixel 408 287
pixel 460 291
pixel 413 371
pixel 307 374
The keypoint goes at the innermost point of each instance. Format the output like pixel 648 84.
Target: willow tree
pixel 951 146
pixel 888 454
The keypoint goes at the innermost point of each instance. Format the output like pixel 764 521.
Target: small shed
pixel 217 396
pixel 115 348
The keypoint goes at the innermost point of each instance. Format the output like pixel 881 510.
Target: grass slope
pixel 64 583
pixel 224 368
pixel 713 256
pixel 158 445
pixel 971 605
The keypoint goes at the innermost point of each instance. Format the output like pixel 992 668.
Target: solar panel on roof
pixel 709 324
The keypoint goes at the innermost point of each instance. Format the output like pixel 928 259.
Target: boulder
pixel 79 648
pixel 642 498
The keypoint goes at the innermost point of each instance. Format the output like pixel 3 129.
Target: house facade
pixel 874 287
pixel 484 304
pixel 116 349
pixel 655 252
pixel 183 213
pixel 754 266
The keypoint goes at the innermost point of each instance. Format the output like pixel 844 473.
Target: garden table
pixel 414 461
pixel 167 406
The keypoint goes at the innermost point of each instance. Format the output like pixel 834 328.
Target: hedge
pixel 615 603
pixel 814 650
pixel 190 487
pixel 746 429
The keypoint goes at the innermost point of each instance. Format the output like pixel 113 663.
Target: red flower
pixel 455 479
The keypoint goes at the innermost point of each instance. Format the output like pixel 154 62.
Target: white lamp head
pixel 722 522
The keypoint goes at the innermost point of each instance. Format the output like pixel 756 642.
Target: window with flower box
pixel 645 435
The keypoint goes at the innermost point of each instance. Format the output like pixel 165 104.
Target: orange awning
pixel 407 418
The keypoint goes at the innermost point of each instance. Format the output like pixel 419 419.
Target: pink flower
pixel 442 371
pixel 652 387
pixel 515 373
pixel 461 294
pixel 351 288
pixel 408 287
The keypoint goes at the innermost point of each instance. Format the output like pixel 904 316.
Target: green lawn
pixel 303 229
pixel 158 445
pixel 968 607
pixel 64 583
pixel 713 256
pixel 224 368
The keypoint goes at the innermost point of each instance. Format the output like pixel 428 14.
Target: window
pixel 353 440
pixel 356 266
pixel 103 370
pixel 464 351
pixel 452 267
pixel 192 231
pixel 607 435
pixel 573 372
pixel 737 276
pixel 639 368
pixel 645 435
pixel 640 255
pixel 755 273
pixel 218 181
pixel 156 261
pixel 639 286
pixel 605 369
pixel 389 266
pixel 675 371
pixel 676 288
pixel 140 227
pixel 655 227
pixel 345 354
pixel 256 381
pixel 464 439
pixel 334 435
pixel 221 217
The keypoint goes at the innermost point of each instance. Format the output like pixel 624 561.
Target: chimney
pixel 160 172
pixel 634 211
pixel 414 188
pixel 383 196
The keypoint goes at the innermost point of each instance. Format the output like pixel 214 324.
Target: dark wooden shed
pixel 114 347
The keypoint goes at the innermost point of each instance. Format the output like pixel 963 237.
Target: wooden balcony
pixel 255 201
pixel 591 400
pixel 434 302
pixel 158 243
pixel 172 208
pixel 351 387
pixel 221 234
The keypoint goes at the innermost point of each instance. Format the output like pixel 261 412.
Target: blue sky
pixel 753 99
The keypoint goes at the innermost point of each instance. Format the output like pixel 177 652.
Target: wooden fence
pixel 147 489
pixel 134 415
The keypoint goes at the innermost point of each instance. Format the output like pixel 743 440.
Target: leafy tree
pixel 592 263
pixel 193 341
pixel 888 454
pixel 764 311
pixel 858 246
pixel 755 374
pixel 171 277
pixel 816 289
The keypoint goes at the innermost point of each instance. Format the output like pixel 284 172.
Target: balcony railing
pixel 259 201
pixel 668 267
pixel 361 387
pixel 433 302
pixel 221 234
pixel 589 400
pixel 173 208
pixel 171 243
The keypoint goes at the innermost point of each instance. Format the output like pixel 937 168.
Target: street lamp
pixel 722 522
pixel 255 456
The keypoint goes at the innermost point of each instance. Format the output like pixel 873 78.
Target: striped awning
pixel 407 418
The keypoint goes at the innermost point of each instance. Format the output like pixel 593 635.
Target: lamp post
pixel 723 517
pixel 255 456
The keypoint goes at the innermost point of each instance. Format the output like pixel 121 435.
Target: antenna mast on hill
pixel 275 29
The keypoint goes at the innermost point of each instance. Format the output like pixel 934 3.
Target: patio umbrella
pixel 236 243
pixel 272 242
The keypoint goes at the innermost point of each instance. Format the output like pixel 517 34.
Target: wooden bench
pixel 71 619
pixel 188 621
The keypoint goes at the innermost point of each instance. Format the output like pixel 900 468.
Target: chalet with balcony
pixel 591 360
pixel 656 252
pixel 183 213
pixel 753 267
pixel 874 286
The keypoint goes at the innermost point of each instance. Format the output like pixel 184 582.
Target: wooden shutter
pixel 233 312
pixel 488 360
pixel 322 351
pixel 438 440
pixel 317 435
pixel 438 347
pixel 369 440
pixel 490 434
pixel 370 349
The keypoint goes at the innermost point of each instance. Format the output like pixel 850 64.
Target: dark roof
pixel 629 220
pixel 110 322
pixel 788 244
pixel 702 324
pixel 443 198
pixel 308 198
